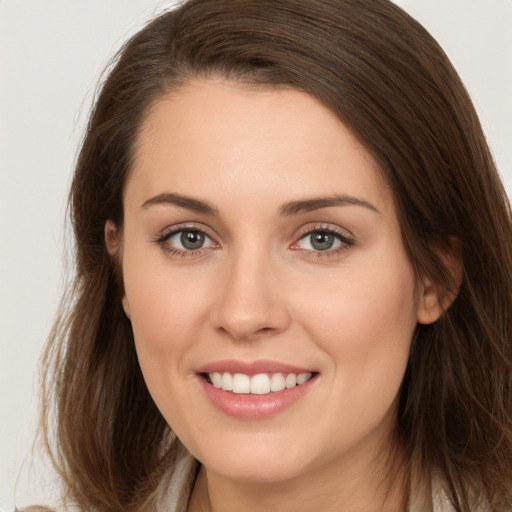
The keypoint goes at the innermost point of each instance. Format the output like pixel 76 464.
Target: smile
pixel 259 384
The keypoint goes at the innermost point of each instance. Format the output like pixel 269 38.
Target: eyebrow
pixel 288 209
pixel 316 203
pixel 189 203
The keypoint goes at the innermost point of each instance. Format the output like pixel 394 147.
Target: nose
pixel 252 301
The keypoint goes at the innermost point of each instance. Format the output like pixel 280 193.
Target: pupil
pixel 192 239
pixel 322 241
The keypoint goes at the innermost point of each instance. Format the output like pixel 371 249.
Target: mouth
pixel 259 384
pixel 255 390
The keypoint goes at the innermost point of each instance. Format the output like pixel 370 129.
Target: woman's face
pixel 261 248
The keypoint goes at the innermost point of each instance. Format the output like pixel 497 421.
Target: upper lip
pixel 251 367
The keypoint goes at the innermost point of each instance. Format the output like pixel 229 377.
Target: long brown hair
pixel 387 79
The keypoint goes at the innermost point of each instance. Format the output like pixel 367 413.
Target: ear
pixel 113 244
pixel 112 239
pixel 429 307
pixel 433 301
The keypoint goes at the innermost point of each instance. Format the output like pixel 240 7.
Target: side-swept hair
pixel 387 79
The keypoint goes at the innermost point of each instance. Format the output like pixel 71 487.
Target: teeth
pixel 290 381
pixel 302 378
pixel 216 379
pixel 226 382
pixel 260 384
pixel 277 382
pixel 241 383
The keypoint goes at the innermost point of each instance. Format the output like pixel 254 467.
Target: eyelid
pixel 186 226
pixel 324 226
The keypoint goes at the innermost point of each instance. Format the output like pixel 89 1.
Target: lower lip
pixel 252 407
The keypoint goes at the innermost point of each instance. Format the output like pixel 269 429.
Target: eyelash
pixel 346 241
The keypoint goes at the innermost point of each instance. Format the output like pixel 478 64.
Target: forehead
pixel 210 134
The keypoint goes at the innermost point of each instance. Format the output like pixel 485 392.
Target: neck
pixel 353 488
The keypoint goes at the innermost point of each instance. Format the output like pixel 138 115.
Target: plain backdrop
pixel 51 55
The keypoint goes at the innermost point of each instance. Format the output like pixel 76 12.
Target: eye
pixel 320 241
pixel 326 240
pixel 185 241
pixel 189 240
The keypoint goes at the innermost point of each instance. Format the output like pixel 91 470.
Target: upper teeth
pixel 259 384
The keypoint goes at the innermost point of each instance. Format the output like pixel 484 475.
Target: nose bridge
pixel 250 303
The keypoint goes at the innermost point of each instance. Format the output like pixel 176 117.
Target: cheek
pixel 365 302
pixel 365 320
pixel 167 312
pixel 167 316
pixel 365 325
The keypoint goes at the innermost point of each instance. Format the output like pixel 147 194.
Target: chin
pixel 253 460
pixel 257 470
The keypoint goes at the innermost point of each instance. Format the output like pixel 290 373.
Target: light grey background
pixel 51 55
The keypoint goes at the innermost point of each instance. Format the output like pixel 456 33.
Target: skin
pixel 258 289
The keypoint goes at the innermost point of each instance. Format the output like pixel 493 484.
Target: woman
pixel 293 286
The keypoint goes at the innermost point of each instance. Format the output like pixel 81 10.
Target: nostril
pixel 245 333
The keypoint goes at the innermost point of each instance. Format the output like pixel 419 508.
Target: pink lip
pixel 247 406
pixel 251 368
